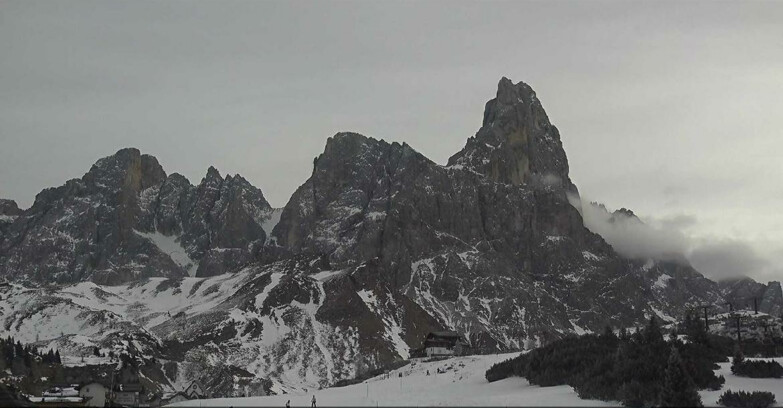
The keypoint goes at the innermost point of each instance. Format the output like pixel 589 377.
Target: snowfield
pixel 734 383
pixel 462 384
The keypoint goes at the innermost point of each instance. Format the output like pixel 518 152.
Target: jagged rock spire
pixel 516 143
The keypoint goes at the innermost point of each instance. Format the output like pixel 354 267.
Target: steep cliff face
pixel 488 244
pixel 125 220
pixel 516 143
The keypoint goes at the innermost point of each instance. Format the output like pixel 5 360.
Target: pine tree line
pixel 639 369
pixel 24 359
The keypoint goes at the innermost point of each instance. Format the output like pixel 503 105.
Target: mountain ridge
pixel 379 246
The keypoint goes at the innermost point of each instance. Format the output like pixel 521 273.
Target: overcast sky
pixel 673 110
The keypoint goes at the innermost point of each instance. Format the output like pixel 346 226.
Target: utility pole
pixel 706 318
pixel 111 387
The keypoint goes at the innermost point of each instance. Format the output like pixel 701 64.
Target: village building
pixel 445 343
pixel 66 395
pixel 127 395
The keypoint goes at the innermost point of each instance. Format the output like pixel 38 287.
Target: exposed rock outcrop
pixel 126 219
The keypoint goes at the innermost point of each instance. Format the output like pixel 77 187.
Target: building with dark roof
pixel 445 343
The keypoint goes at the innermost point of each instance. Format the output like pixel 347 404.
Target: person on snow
pixel 313 400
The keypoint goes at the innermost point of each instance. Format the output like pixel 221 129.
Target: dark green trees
pixel 678 388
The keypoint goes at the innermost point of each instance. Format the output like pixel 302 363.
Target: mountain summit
pixel 516 144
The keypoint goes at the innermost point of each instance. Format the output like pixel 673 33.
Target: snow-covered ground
pixel 462 384
pixel 735 383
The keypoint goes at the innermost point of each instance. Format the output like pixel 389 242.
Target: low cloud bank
pixel 725 259
pixel 667 239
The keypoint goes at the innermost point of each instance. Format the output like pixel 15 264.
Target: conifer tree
pixel 652 333
pixel 678 388
pixel 738 359
pixel 623 334
pixel 608 333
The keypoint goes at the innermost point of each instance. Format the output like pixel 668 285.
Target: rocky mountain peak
pixel 213 175
pixel 9 211
pixel 624 214
pixel 9 208
pixel 127 168
pixel 516 143
pixel 347 144
pixel 508 96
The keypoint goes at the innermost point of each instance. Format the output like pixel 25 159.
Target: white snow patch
pixel 662 315
pixel 590 256
pixel 579 330
pixel 375 215
pixel 170 246
pixel 662 281
pixel 369 298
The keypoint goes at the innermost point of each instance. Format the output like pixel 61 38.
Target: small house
pixel 445 343
pixel 126 395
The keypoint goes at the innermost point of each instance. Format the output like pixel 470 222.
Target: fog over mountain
pixel 669 239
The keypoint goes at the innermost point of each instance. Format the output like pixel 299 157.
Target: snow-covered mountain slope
pixel 461 383
pixel 264 320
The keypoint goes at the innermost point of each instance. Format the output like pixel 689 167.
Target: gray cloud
pixel 667 239
pixel 669 108
pixel 729 259
pixel 677 222
pixel 630 236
